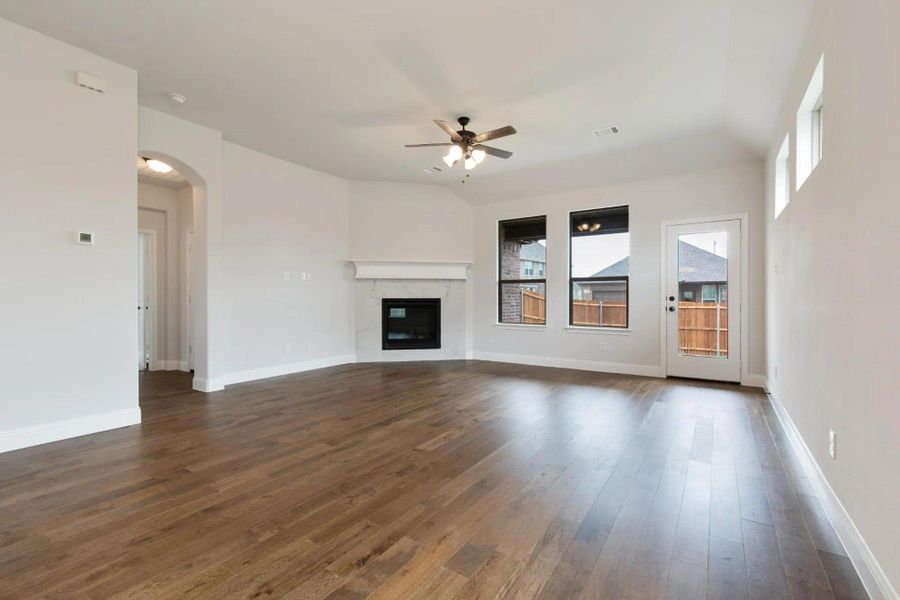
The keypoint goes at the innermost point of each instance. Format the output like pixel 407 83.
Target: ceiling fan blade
pixel 495 151
pixel 427 145
pixel 448 129
pixel 494 134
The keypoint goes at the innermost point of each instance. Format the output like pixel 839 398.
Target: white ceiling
pixel 341 85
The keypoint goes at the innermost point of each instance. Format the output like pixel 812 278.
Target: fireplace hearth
pixel 410 323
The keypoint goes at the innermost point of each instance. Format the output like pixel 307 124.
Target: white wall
pixel 66 164
pixel 724 191
pixel 396 221
pixel 281 218
pixel 160 209
pixel 833 258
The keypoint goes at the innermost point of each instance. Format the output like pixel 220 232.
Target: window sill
pixel 599 330
pixel 526 326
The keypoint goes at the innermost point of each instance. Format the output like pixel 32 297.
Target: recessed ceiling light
pixel 605 132
pixel 157 165
pixel 176 98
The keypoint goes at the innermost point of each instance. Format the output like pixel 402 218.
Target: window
pixel 521 288
pixel 818 123
pixel 783 176
pixel 811 125
pixel 687 295
pixel 598 267
pixel 709 293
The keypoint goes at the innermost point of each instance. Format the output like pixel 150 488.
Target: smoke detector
pixel 599 133
pixel 176 98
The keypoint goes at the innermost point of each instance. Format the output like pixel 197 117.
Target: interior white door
pixel 703 300
pixel 142 300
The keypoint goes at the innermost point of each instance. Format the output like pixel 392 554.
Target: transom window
pixel 811 125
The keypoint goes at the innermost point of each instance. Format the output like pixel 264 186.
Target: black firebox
pixel 410 323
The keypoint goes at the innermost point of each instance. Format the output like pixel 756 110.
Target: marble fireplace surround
pixel 377 279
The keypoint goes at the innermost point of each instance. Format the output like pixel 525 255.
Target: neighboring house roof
pixel 534 252
pixel 696 265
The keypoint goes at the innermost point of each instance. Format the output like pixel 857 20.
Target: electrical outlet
pixel 287 348
pixel 832 443
pixel 309 345
pixel 604 346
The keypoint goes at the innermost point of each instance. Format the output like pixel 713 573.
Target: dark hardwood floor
pixel 423 480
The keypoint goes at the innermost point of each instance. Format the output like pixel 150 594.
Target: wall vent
pixel 90 82
pixel 599 133
pixel 84 237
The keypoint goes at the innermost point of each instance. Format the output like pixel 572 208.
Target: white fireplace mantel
pixel 410 269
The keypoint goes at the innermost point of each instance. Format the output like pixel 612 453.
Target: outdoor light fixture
pixel 157 165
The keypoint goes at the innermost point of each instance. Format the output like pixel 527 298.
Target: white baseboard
pixel 287 369
pixel 870 572
pixel 169 365
pixel 568 363
pixel 754 381
pixel 203 384
pixel 61 430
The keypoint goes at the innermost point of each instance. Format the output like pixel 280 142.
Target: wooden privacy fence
pixel 605 314
pixel 703 328
pixel 534 307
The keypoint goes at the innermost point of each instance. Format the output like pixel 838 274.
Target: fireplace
pixel 410 323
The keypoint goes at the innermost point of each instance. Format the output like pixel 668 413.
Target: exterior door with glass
pixel 702 301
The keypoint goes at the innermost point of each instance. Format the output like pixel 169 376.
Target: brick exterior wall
pixel 510 268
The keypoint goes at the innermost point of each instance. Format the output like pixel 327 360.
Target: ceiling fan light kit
pixel 467 145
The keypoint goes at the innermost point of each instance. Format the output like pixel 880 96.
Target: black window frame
pixel 573 280
pixel 501 282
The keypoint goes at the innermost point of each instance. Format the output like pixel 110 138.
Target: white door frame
pixel 188 331
pixel 744 218
pixel 150 317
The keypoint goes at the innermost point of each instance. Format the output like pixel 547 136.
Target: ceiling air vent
pixel 599 133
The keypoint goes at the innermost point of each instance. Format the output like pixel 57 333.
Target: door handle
pixel 671 298
pixel 671 309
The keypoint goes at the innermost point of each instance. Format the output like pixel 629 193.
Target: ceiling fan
pixel 467 145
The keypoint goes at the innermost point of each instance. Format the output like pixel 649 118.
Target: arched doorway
pixel 171 213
